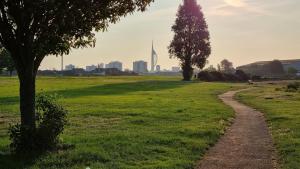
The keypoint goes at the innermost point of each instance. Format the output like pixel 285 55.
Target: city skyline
pixel 241 31
pixel 112 64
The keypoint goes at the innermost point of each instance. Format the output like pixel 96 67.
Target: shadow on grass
pixel 11 161
pixel 107 89
pixel 120 88
pixel 14 161
pixel 19 161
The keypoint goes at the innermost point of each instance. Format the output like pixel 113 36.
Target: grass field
pixel 124 122
pixel 282 110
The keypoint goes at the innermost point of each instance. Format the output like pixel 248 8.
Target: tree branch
pixel 37 62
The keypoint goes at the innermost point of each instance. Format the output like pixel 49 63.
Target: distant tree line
pixel 224 72
pixel 262 71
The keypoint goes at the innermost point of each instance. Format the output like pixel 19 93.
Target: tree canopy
pixel 211 68
pixel 191 43
pixel 34 29
pixel 227 67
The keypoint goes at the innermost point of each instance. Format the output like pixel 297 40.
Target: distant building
pixel 91 68
pixel 176 69
pixel 291 64
pixel 157 68
pixel 111 72
pixel 116 64
pixel 140 67
pixel 261 69
pixel 70 67
pixel 101 65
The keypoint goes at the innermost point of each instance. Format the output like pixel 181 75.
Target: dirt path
pixel 247 144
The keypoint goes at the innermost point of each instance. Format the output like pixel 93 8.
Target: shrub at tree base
pixel 51 119
pixel 213 76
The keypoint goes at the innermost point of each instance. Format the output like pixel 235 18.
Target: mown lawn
pixel 124 122
pixel 282 110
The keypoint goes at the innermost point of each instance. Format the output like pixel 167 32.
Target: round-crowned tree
pixel 32 29
pixel 191 42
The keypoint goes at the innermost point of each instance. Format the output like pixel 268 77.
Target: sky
pixel 242 31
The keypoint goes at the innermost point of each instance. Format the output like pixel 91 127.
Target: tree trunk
pixel 187 75
pixel 27 98
pixel 187 70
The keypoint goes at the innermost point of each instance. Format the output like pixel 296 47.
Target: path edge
pixel 275 156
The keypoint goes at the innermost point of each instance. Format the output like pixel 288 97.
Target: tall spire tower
pixel 154 58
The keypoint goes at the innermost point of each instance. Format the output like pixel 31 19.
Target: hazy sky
pixel 242 31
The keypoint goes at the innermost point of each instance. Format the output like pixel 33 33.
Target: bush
pixel 242 75
pixel 212 76
pixel 50 121
pixel 22 138
pixel 205 76
pixel 217 76
pixel 293 87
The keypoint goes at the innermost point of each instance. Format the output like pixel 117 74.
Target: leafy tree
pixel 32 29
pixel 219 68
pixel 242 75
pixel 6 61
pixel 211 68
pixel 191 40
pixel 276 67
pixel 227 67
pixel 292 71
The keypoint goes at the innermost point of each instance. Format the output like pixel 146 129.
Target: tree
pixel 292 71
pixel 32 29
pixel 191 40
pixel 211 68
pixel 227 67
pixel 241 75
pixel 276 68
pixel 219 68
pixel 6 61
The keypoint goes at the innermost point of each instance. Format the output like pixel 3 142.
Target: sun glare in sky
pixel 235 3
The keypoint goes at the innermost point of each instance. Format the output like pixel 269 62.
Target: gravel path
pixel 247 144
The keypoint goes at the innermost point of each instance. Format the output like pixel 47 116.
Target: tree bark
pixel 187 70
pixel 27 97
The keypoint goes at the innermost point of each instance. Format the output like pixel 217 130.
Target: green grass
pixel 124 122
pixel 282 110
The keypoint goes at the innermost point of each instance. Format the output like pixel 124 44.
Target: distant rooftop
pixel 266 62
pixel 289 61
